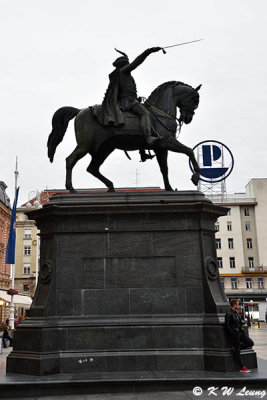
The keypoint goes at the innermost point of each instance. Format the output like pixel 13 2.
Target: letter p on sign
pixel 207 157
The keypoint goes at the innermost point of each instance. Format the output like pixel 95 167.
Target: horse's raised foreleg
pixel 173 145
pixel 71 160
pixel 162 161
pixel 95 164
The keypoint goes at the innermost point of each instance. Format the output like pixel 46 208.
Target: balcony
pixel 252 291
pixel 231 200
pixel 255 270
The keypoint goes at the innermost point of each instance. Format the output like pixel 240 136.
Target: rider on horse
pixel 121 95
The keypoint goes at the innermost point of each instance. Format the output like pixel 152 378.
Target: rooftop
pixel 3 196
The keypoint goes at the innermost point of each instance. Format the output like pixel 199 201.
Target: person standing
pixel 6 337
pixel 233 326
pixel 248 321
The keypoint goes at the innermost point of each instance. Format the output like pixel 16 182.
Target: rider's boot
pixel 144 156
pixel 146 127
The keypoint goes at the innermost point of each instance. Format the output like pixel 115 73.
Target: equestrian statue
pixel 123 121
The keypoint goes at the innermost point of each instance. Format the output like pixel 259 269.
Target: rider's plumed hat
pixel 120 59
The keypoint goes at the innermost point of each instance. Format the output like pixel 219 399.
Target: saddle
pixel 159 119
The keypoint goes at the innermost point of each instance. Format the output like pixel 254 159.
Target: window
pixel 217 227
pixel 222 282
pixel 233 283
pixel 229 225
pixel 230 243
pixel 249 243
pixel 249 283
pixel 27 234
pixel 247 226
pixel 27 250
pixel 260 283
pixel 229 212
pixel 251 262
pixel 232 262
pixel 26 288
pixel 246 212
pixel 26 269
pixel 218 244
pixel 220 262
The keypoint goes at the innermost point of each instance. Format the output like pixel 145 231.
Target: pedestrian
pixel 248 321
pixel 241 313
pixel 233 326
pixel 6 337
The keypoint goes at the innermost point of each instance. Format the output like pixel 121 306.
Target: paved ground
pixel 258 335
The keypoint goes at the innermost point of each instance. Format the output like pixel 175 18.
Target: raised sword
pixel 179 44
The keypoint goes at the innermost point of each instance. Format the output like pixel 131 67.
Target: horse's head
pixel 174 94
pixel 188 100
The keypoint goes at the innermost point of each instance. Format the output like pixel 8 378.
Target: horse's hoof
pixel 169 189
pixel 72 190
pixel 195 178
pixel 111 190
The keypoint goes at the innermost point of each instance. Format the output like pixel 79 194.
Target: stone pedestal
pixel 128 283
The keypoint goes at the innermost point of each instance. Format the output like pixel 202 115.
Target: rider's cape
pixel 111 113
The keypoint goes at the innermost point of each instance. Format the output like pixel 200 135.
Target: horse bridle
pixel 168 115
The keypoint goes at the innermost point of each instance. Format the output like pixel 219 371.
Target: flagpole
pixel 11 309
pixel 16 172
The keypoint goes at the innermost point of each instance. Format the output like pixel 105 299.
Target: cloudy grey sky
pixel 56 53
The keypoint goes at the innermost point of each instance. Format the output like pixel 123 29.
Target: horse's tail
pixel 60 123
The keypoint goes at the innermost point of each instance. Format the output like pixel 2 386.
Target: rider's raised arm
pixel 141 58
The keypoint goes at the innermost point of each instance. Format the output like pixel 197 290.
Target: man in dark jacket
pixel 233 326
pixel 6 337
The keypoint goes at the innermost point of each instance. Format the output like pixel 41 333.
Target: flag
pixel 10 250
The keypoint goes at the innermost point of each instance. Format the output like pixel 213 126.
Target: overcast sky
pixel 58 53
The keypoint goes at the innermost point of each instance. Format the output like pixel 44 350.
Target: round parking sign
pixel 215 160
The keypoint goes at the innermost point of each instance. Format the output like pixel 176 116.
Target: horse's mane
pixel 157 93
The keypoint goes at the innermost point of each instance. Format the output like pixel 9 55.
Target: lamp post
pixel 40 198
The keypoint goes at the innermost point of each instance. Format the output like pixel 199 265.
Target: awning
pixel 19 299
pixel 247 296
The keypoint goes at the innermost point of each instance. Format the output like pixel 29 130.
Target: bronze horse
pixel 100 141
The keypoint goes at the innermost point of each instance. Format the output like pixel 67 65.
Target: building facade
pixel 27 254
pixel 241 242
pixel 5 217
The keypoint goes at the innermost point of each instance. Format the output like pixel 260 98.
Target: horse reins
pixel 168 115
